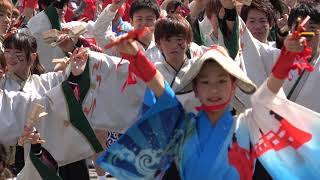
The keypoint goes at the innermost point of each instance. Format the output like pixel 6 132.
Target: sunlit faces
pixel 257 23
pixel 143 18
pixel 213 85
pixel 5 21
pixel 17 62
pixel 173 48
pixel 314 42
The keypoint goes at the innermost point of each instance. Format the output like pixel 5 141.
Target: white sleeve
pixel 14 108
pixel 285 135
pixel 102 29
pixel 106 96
pixel 269 55
pixel 51 79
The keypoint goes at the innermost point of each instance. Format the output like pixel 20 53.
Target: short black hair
pixel 173 5
pixel 144 4
pixel 261 5
pixel 302 10
pixel 172 25
pixel 60 3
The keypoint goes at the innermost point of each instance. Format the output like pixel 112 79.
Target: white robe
pixel 41 23
pixel 307 95
pixel 110 109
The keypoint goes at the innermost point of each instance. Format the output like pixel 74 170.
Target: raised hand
pixel 30 134
pixel 78 60
pixel 115 5
pixel 65 42
pixel 132 35
pixel 294 44
pixel 129 47
pixel 294 55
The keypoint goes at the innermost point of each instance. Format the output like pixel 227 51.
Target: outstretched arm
pixel 293 46
pixel 142 67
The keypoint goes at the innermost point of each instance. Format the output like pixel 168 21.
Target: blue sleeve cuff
pixel 166 100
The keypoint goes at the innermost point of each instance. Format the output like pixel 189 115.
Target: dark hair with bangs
pixel 172 25
pixel 138 5
pixel 307 8
pixel 261 5
pixel 27 44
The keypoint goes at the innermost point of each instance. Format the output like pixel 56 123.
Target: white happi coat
pixel 110 109
pixel 173 77
pixel 15 106
pixel 64 142
pixel 306 92
pixel 41 23
pixel 104 35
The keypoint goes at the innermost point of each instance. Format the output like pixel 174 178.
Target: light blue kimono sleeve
pixel 149 146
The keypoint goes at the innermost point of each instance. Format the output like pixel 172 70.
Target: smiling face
pixel 213 85
pixel 258 24
pixel 143 18
pixel 17 62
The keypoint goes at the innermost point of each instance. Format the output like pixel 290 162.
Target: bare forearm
pixel 157 84
pixel 274 84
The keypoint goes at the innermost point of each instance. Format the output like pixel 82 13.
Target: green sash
pixel 52 14
pixel 45 172
pixel 77 117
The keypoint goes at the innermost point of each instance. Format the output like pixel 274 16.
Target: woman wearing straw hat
pixel 213 144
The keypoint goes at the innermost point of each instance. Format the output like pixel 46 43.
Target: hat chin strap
pixel 217 107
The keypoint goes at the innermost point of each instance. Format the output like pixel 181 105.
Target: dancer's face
pixel 173 48
pixel 213 85
pixel 258 24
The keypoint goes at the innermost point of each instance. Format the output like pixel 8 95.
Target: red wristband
pixel 284 64
pixel 141 66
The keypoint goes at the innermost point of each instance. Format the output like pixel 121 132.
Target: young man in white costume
pixel 254 57
pixel 52 18
pixel 303 89
pixel 142 14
